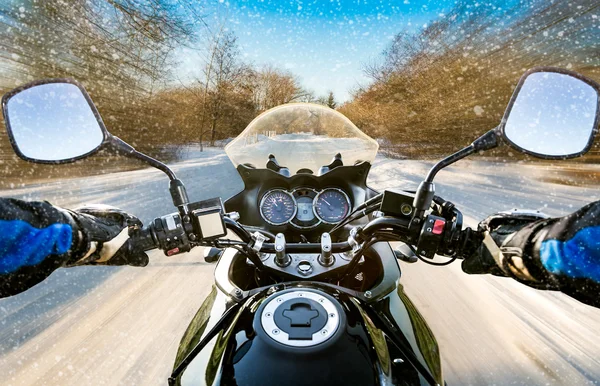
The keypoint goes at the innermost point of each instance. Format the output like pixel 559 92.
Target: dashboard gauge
pixel 305 216
pixel 277 207
pixel 331 205
pixel 305 210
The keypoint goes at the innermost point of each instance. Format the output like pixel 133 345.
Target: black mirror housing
pixel 545 98
pixel 54 121
pixel 23 124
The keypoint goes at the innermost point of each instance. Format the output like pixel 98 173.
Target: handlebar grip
pixel 142 240
pixel 469 242
pixel 132 251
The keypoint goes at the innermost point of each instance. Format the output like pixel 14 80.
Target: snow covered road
pixel 105 325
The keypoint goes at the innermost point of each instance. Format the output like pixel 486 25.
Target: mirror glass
pixel 553 115
pixel 53 122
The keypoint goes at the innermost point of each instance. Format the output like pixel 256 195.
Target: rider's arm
pixel 559 253
pixel 36 238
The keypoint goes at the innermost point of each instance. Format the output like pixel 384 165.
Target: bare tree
pixel 120 49
pixel 229 76
pixel 274 87
pixel 453 79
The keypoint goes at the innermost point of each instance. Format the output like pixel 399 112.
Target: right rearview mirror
pixel 552 114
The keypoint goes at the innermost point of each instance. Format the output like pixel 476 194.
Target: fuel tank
pixel 302 334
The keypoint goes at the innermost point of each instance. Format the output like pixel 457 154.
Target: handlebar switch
pixel 432 233
pixel 438 227
pixel 171 235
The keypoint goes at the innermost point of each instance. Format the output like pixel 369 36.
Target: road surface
pixel 105 325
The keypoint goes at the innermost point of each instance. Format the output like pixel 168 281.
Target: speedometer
pixel 277 207
pixel 331 205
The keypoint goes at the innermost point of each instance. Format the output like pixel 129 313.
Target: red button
pixel 438 227
pixel 172 252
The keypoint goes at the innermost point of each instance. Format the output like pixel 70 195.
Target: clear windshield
pixel 301 136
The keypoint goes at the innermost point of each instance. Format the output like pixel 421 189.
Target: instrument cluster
pixel 304 208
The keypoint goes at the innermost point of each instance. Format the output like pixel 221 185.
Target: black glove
pixel 505 236
pixel 104 232
pixel 93 235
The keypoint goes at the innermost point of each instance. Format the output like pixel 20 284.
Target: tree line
pixel 430 91
pixel 123 52
pixel 436 90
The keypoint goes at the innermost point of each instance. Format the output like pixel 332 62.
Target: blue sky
pixel 324 42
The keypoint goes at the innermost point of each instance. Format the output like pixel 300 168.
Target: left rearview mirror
pixel 53 121
pixel 552 114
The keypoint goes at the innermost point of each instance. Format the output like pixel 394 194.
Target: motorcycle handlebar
pixel 307 247
pixel 151 237
pixel 245 236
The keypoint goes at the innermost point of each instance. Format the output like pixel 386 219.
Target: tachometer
pixel 331 205
pixel 277 207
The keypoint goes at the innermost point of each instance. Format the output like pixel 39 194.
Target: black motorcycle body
pixel 361 354
pixel 382 338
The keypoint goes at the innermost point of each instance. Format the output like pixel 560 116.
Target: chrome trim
pixel 221 274
pixel 306 272
pixel 262 200
pixel 259 240
pixel 292 220
pixel 326 259
pixel 281 257
pixel 317 198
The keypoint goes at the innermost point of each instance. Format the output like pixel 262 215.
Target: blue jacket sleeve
pixel 564 253
pixel 35 239
pixel 575 257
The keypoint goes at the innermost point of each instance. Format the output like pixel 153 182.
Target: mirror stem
pixel 176 187
pixel 426 189
pixel 486 142
pixel 467 151
pixel 123 146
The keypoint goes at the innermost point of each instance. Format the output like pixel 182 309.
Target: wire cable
pixel 353 216
pixel 431 262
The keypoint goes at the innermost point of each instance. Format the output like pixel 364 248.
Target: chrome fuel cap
pixel 300 318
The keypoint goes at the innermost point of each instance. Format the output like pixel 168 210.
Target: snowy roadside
pixel 565 173
pixel 80 314
pixel 210 173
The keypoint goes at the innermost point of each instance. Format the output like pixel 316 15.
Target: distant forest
pixel 431 91
pixel 123 52
pixel 435 91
